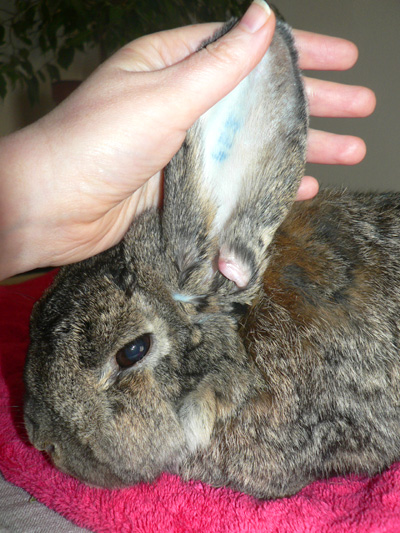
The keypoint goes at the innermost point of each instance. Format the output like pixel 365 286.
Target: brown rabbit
pixel 146 359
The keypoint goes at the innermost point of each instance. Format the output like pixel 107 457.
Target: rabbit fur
pixel 263 385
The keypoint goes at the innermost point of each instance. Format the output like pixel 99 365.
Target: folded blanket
pixel 351 504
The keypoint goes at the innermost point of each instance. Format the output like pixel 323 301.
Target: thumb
pixel 205 77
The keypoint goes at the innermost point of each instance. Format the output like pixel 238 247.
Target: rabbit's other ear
pixel 236 176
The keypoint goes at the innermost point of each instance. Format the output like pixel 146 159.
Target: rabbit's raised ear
pixel 230 186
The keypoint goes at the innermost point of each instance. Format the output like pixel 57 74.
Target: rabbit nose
pixel 32 430
pixel 48 447
pixel 42 445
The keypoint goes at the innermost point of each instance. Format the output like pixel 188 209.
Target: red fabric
pixel 354 504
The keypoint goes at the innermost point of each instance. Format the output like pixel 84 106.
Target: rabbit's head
pixel 135 353
pixel 124 376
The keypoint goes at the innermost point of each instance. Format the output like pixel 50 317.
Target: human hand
pixel 327 99
pixel 86 166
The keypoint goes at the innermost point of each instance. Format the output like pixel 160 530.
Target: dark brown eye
pixel 134 351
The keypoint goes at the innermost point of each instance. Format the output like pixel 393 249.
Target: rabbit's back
pixel 337 259
pixel 323 335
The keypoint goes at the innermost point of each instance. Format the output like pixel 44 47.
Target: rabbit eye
pixel 133 352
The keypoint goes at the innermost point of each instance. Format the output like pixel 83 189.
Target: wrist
pixel 21 169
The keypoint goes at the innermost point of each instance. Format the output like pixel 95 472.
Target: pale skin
pixel 71 183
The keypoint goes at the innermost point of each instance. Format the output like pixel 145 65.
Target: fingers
pixel 195 84
pixel 163 49
pixel 308 188
pixel 332 149
pixel 186 82
pixel 328 99
pixel 321 52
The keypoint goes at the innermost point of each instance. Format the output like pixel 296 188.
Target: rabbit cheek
pixel 83 465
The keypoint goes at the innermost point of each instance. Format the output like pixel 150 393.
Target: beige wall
pixel 374 26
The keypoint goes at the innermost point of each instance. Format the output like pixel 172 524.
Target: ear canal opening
pixel 233 267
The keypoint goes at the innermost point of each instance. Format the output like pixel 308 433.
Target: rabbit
pixel 147 359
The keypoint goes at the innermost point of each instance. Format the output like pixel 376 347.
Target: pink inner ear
pixel 232 268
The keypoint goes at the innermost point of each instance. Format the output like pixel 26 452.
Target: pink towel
pixel 351 504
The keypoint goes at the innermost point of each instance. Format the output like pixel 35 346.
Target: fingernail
pixel 256 16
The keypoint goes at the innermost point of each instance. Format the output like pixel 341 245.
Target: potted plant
pixel 54 30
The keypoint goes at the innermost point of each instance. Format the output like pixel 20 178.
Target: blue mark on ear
pixel 226 139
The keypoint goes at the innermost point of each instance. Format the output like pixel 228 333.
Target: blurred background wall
pixel 373 25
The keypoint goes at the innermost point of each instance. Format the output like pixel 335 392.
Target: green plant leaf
pixel 10 73
pixel 3 86
pixel 65 57
pixel 27 67
pixel 26 40
pixel 41 76
pixel 2 34
pixel 20 27
pixel 33 89
pixel 51 33
pixel 30 14
pixel 44 46
pixel 44 13
pixel 116 14
pixel 24 53
pixel 53 71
